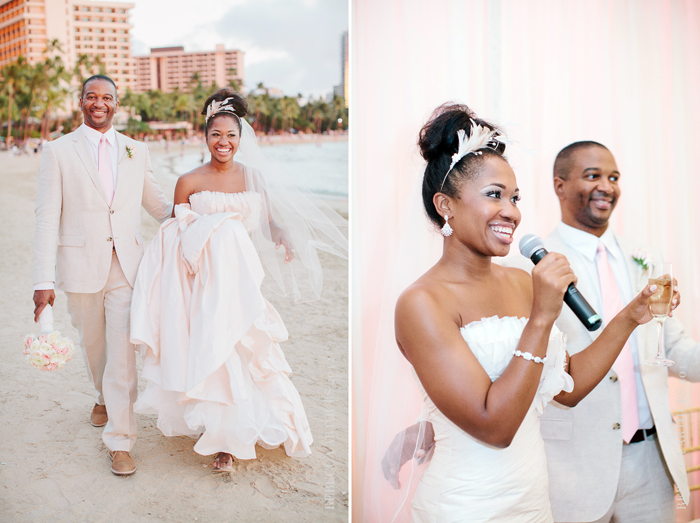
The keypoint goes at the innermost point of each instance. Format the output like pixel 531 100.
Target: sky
pixel 293 45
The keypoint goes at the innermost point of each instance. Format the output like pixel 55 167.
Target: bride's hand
pixel 281 238
pixel 550 279
pixel 638 309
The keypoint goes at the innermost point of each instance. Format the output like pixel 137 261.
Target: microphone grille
pixel 530 244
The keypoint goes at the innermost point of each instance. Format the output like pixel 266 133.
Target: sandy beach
pixel 53 464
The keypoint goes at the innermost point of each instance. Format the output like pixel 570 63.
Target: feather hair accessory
pixel 480 138
pixel 218 107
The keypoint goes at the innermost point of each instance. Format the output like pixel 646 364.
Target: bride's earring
pixel 446 229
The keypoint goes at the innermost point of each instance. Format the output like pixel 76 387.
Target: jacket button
pixel 109 239
pixel 613 378
pixel 616 426
pixel 111 211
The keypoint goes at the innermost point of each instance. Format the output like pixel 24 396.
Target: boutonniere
pixel 130 152
pixel 642 258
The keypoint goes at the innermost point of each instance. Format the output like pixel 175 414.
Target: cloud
pixel 293 45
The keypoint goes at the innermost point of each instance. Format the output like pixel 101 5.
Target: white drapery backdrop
pixel 625 73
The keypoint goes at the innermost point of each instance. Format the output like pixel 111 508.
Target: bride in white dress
pixel 460 325
pixel 211 355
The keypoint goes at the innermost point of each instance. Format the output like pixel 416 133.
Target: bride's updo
pixel 237 102
pixel 438 141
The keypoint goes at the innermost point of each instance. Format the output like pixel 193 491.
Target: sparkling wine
pixel 660 301
pixel 661 275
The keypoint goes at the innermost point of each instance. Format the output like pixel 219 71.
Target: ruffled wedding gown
pixel 212 356
pixel 468 480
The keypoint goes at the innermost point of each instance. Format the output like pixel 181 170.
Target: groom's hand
pixel 41 298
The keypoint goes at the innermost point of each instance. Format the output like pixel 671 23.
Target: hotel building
pixel 167 68
pixel 345 64
pixel 81 26
pixel 342 89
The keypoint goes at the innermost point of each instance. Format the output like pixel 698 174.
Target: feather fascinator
pixel 480 138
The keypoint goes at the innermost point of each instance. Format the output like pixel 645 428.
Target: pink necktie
pixel 104 166
pixel 624 365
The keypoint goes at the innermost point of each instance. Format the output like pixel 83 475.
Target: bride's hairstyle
pixel 439 141
pixel 236 102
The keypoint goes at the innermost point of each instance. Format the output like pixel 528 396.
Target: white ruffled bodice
pixel 247 203
pixel 468 480
pixel 493 341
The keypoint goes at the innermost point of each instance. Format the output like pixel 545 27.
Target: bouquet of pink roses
pixel 48 351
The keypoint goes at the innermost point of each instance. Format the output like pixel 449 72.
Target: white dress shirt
pixel 584 246
pixel 93 138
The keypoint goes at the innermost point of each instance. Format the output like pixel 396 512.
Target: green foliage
pixel 29 94
pixel 267 114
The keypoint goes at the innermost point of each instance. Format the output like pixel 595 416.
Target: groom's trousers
pixel 102 319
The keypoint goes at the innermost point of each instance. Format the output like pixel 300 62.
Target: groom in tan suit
pixel 88 243
pixel 595 473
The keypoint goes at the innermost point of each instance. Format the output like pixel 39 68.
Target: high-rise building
pixel 81 27
pixel 167 68
pixel 345 65
pixel 342 89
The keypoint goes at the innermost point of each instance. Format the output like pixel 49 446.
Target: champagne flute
pixel 661 275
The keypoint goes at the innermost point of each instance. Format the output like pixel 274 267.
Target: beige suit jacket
pixel 75 225
pixel 584 443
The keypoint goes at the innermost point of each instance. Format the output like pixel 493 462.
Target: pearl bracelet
pixel 529 357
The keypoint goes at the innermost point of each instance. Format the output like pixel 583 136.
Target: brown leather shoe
pixel 122 464
pixel 98 418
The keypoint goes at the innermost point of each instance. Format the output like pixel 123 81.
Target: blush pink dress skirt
pixel 210 340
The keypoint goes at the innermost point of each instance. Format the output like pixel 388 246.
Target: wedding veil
pixel 310 223
pixel 394 456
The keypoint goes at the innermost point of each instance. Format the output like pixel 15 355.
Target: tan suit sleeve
pixel 154 201
pixel 49 203
pixel 683 350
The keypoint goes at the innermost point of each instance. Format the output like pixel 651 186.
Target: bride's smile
pixel 223 140
pixel 486 211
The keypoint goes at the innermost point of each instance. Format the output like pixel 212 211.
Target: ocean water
pixel 320 167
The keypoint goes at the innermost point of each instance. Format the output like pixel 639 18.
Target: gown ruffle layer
pixel 468 480
pixel 212 356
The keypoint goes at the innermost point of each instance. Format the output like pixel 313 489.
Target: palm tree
pixel 290 110
pixel 338 110
pixel 233 83
pixel 13 76
pixel 318 113
pixel 54 99
pixel 199 94
pixel 57 90
pixel 35 82
pixel 182 103
pixel 42 78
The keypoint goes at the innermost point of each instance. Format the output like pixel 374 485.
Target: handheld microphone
pixel 531 246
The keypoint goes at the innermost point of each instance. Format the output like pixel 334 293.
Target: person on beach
pixel 92 185
pixel 212 355
pixel 481 338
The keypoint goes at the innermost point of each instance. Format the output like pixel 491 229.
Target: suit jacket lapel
pixel 124 170
pixel 121 148
pixel 636 279
pixel 557 244
pixel 82 147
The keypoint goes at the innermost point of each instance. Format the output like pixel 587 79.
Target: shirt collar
pixel 95 136
pixel 586 243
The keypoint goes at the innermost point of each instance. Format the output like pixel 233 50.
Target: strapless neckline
pixel 247 205
pixel 218 192
pixel 494 319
